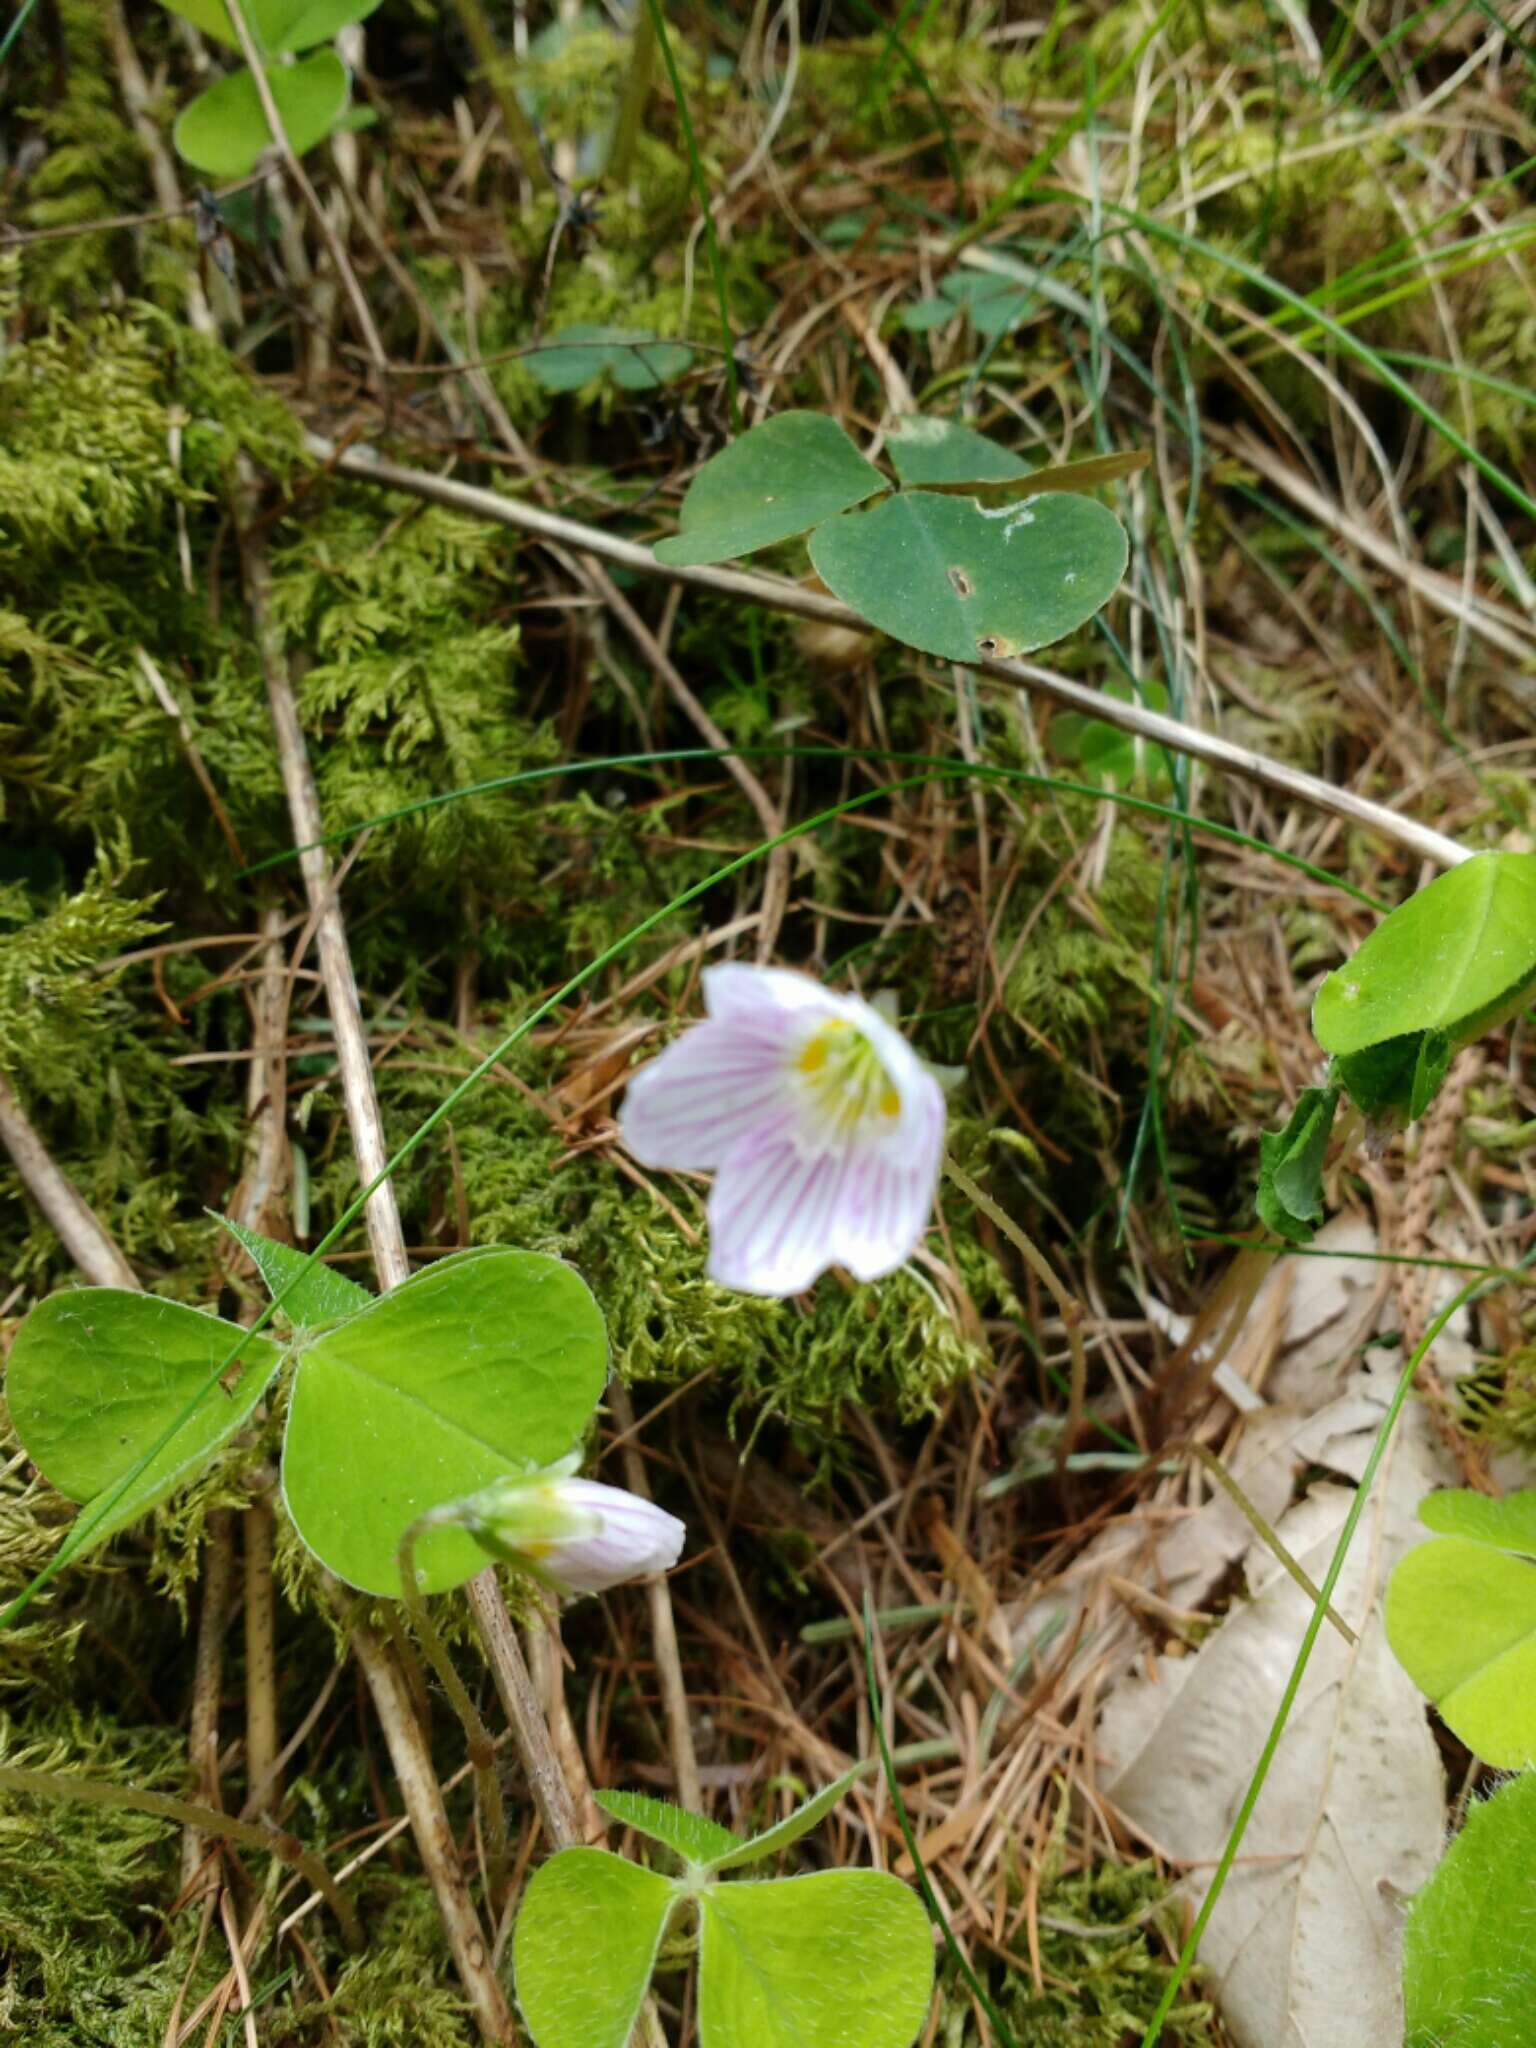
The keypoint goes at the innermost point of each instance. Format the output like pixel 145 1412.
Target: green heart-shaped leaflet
pixel 1458 957
pixel 279 26
pixel 943 574
pixel 1470 1933
pixel 1461 1619
pixel 783 477
pixel 690 1836
pixel 312 1295
pixel 634 357
pixel 1291 1160
pixel 842 1956
pixel 476 1369
pixel 928 450
pixel 585 1944
pixel 224 130
pixel 711 1848
pixel 98 1374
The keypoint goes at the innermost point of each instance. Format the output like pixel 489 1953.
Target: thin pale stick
pixel 435 1840
pixel 338 255
pixel 793 598
pixel 482 1750
pixel 674 1693
pixel 71 1216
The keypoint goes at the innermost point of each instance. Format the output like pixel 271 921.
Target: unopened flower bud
pixel 576 1534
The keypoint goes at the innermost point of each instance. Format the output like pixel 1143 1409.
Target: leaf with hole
pixel 935 451
pixel 98 1374
pixel 1470 1934
pixel 688 1835
pixel 1290 1197
pixel 783 477
pixel 224 130
pixel 1461 1620
pixel 484 1364
pixel 1455 960
pixel 842 1956
pixel 321 1296
pixel 945 575
pixel 586 1940
pixel 634 357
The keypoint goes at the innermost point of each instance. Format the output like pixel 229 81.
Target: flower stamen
pixel 847 1080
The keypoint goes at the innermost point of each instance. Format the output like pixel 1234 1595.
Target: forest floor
pixel 1285 253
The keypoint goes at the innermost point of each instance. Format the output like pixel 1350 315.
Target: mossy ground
pixel 1128 1001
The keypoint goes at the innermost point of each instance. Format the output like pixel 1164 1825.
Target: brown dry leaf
pixel 1302 1949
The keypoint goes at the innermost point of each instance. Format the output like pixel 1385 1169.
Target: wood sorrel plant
pixel 1457 959
pixel 225 129
pixel 930 564
pixel 474 1370
pixel 837 1955
pixel 1454 961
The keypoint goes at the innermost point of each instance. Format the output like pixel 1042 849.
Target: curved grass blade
pixel 953 768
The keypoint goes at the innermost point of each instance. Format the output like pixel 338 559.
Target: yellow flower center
pixel 846 1079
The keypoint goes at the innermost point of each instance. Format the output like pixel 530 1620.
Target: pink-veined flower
pixel 823 1128
pixel 578 1535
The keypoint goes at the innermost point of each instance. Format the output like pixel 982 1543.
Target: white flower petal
pixel 713 1087
pixel 887 1192
pixel 770 1213
pixel 623 1537
pixel 824 1126
pixel 734 990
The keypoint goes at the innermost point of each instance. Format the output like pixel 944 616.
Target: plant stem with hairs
pixel 482 1751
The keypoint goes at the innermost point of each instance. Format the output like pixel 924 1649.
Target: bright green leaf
pixel 587 1934
pixel 935 451
pixel 688 1835
pixel 793 1825
pixel 279 26
pixel 477 1367
pixel 1457 957
pixel 320 21
pixel 98 1374
pixel 944 575
pixel 1471 1931
pixel 634 357
pixel 841 1957
pixel 211 18
pixel 1508 1524
pixel 789 474
pixel 1380 1080
pixel 1290 1197
pixel 322 1296
pixel 1432 1063
pixel 224 130
pixel 1461 1619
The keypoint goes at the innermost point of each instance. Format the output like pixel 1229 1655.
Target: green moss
pixel 1101 1985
